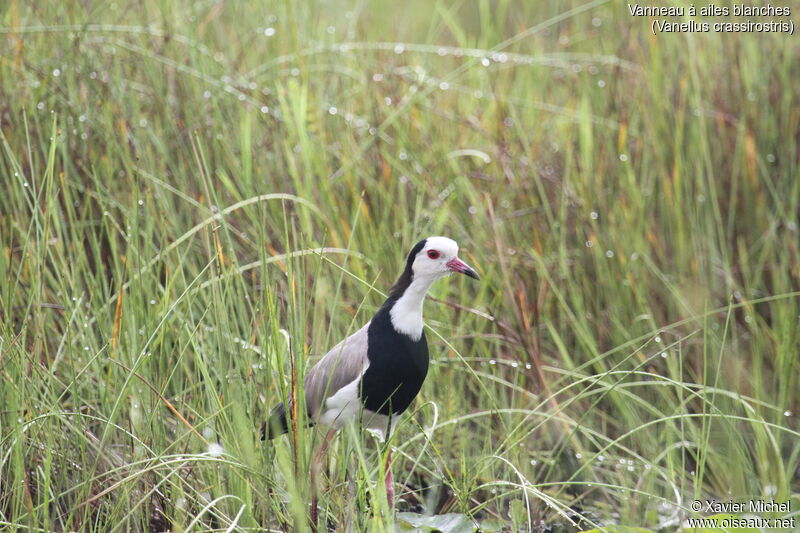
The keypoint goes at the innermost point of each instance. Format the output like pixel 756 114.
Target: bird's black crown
pixel 407 276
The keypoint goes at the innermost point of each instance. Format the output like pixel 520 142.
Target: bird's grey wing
pixel 343 364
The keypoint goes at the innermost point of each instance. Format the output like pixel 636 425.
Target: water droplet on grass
pixel 623 157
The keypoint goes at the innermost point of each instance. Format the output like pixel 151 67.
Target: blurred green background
pixel 197 195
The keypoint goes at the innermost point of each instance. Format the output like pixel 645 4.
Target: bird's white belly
pixel 345 406
pixel 341 407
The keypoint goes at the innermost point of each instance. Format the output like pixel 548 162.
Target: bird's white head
pixel 437 258
pixel 429 260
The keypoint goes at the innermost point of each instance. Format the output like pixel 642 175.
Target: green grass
pixel 197 197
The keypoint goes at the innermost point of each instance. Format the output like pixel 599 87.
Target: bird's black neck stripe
pixel 398 363
pixel 407 276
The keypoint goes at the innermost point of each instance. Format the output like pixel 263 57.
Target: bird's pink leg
pixel 389 481
pixel 316 465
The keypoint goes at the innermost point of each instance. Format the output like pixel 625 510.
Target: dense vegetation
pixel 198 197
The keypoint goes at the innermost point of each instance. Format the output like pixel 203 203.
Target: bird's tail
pixel 276 424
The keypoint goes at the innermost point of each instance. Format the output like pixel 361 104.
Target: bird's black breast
pixel 397 367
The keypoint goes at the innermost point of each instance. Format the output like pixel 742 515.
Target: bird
pixel 373 375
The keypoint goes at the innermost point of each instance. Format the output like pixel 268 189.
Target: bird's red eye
pixel 433 254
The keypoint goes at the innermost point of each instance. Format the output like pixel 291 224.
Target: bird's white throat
pixel 406 313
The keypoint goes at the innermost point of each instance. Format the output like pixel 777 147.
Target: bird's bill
pixel 457 265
